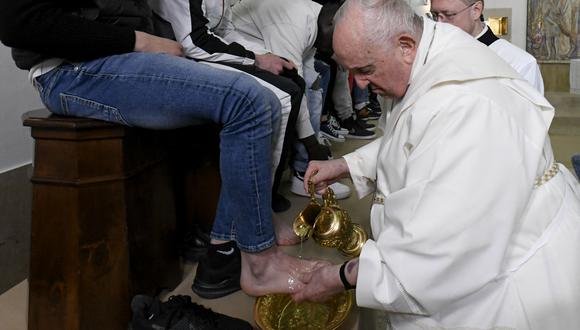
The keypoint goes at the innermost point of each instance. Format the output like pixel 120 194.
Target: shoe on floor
pixel 194 244
pixel 179 313
pixel 341 191
pixel 280 203
pixel 218 274
pixel 356 131
pixel 367 113
pixel 365 125
pixel 330 133
pixel 336 125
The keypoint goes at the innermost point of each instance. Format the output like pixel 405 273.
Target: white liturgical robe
pixel 474 226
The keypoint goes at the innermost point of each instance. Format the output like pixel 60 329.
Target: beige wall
pixel 16 97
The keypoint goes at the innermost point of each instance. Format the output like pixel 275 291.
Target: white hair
pixel 384 19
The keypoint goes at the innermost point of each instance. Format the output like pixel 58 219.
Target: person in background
pixel 295 30
pixel 467 15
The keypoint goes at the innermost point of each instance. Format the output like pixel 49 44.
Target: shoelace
pixel 333 123
pixel 332 129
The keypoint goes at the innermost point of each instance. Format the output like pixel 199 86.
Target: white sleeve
pixel 362 165
pixel 531 72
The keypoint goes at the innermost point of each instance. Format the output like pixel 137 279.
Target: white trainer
pixel 341 191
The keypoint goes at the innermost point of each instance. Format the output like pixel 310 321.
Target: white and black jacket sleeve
pixel 190 26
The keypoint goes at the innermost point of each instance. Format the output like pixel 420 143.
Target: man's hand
pixel 319 285
pixel 148 43
pixel 325 173
pixel 273 63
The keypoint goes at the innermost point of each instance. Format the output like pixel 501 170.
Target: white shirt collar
pixel 485 27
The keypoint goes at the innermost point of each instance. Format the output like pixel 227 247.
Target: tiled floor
pixel 565 135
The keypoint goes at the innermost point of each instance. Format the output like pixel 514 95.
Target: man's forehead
pixel 345 41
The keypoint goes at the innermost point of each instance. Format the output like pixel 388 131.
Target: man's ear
pixel 476 10
pixel 408 47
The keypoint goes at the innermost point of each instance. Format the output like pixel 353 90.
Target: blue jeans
pixel 324 70
pixel 158 91
pixel 360 97
pixel 314 101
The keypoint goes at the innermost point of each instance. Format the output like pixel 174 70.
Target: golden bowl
pixel 279 311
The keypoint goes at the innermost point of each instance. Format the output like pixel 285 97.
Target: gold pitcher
pixel 304 221
pixel 334 228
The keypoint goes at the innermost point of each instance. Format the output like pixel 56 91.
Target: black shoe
pixel 364 125
pixel 280 203
pixel 356 131
pixel 194 244
pixel 218 274
pixel 367 113
pixel 179 313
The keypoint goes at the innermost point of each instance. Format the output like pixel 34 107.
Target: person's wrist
pixel 139 41
pixel 343 278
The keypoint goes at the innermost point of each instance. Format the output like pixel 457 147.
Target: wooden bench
pixel 108 202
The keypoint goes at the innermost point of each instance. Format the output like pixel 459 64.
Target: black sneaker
pixel 280 203
pixel 356 131
pixel 364 125
pixel 367 113
pixel 194 244
pixel 179 313
pixel 218 274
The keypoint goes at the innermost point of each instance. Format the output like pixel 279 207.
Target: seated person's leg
pixel 360 97
pixel 303 154
pixel 357 129
pixel 163 92
pixel 289 88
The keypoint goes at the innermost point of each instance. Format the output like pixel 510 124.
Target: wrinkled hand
pixel 148 43
pixel 319 285
pixel 325 173
pixel 273 63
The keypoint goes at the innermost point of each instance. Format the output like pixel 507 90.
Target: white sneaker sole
pixel 332 138
pixel 358 137
pixel 297 188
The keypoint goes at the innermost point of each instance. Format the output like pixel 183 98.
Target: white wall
pixel 17 96
pixel 519 18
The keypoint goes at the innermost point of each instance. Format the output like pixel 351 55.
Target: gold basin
pixel 279 311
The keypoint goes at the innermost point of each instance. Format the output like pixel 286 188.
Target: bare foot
pixel 284 232
pixel 272 271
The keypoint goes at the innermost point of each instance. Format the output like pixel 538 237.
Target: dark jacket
pixel 77 30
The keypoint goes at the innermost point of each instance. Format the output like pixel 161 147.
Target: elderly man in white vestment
pixel 475 226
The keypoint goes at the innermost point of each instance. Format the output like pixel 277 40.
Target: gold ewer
pixel 304 221
pixel 330 225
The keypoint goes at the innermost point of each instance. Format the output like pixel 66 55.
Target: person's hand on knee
pixel 273 63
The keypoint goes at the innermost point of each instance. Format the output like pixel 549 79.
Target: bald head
pixel 377 41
